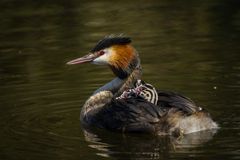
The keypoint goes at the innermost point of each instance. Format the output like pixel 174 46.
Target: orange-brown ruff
pixel 121 56
pixel 173 114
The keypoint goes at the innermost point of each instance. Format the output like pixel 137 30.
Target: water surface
pixel 188 47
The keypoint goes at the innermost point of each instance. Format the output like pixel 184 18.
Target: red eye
pixel 101 53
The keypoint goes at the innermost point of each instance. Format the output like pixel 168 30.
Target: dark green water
pixel 185 46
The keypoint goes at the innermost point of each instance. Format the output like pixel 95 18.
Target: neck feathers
pixel 125 64
pixel 124 60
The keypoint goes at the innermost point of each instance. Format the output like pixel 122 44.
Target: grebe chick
pixel 173 114
pixel 142 90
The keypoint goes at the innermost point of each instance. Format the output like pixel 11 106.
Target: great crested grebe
pixel 172 114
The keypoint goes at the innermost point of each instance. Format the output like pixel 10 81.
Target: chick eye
pixel 101 53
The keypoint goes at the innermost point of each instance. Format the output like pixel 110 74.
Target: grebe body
pixel 167 113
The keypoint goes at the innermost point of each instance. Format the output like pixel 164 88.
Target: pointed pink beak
pixel 87 58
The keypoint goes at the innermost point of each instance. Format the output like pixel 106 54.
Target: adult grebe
pixel 174 114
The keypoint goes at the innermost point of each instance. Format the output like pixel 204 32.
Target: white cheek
pixel 102 60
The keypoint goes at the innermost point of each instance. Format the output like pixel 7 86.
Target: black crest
pixel 109 41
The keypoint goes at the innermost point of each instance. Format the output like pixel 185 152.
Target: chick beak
pixel 85 59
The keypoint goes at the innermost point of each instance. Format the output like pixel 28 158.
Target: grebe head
pixel 114 51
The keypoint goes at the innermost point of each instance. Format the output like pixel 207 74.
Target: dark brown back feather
pixel 139 115
pixel 175 100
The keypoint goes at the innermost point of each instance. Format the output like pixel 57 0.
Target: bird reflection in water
pixel 111 144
